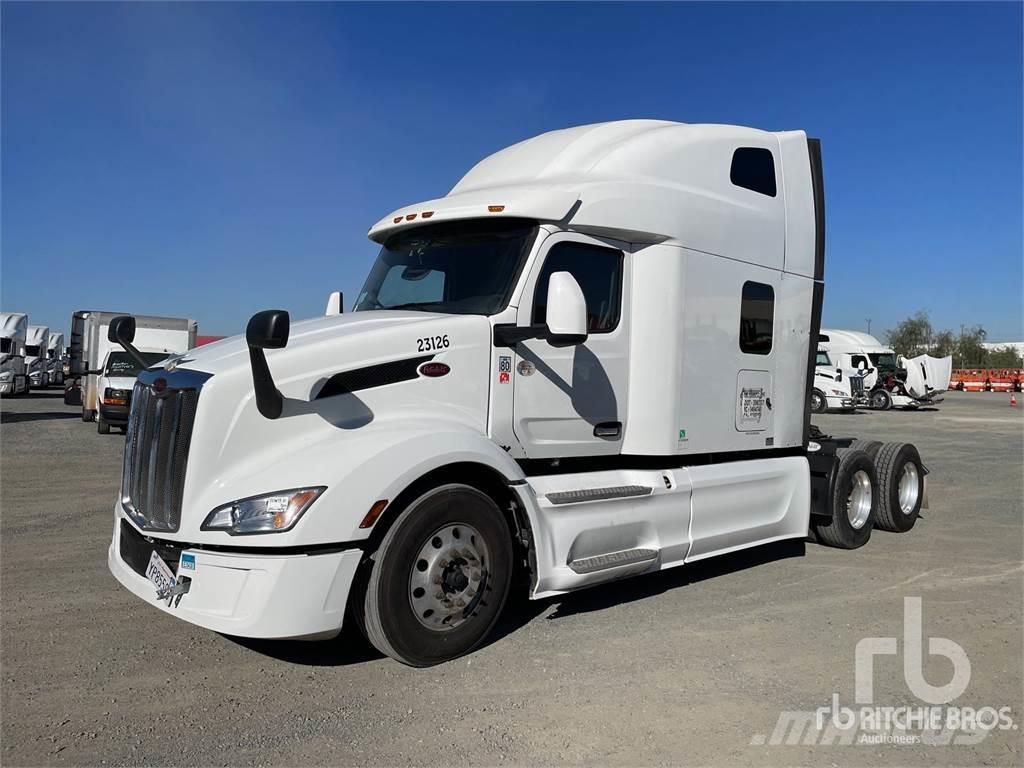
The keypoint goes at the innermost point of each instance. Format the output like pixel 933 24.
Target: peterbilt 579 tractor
pixel 590 360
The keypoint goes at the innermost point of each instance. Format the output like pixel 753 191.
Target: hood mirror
pixel 122 331
pixel 335 303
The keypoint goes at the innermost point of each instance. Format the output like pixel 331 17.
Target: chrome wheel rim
pixel 858 500
pixel 449 577
pixel 815 401
pixel 909 488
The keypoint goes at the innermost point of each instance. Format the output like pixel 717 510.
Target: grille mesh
pixel 156 454
pixel 857 385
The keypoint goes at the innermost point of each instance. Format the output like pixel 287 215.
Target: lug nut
pixel 439 595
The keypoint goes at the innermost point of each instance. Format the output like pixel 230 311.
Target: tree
pixel 970 352
pixel 1004 357
pixel 944 344
pixel 911 337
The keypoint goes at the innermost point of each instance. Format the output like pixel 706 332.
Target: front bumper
pixel 250 595
pixel 834 402
pixel 114 414
pixel 6 387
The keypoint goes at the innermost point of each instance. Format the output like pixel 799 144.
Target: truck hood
pixel 306 335
pixel 927 376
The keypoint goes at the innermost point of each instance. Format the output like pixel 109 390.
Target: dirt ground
pixel 691 666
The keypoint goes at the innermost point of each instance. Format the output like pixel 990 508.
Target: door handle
pixel 608 429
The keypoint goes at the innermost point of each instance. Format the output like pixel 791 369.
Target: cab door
pixel 571 401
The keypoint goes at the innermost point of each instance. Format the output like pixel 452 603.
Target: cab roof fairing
pixel 651 180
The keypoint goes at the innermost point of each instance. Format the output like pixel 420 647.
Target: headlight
pixel 838 392
pixel 6 375
pixel 272 513
pixel 116 396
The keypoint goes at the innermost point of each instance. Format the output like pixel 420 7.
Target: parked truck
pixel 13 335
pixel 37 356
pixel 590 360
pixel 835 389
pixel 90 344
pixel 55 357
pixel 889 380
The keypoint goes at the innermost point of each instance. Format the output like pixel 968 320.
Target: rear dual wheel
pixel 854 502
pixel 900 486
pixel 440 577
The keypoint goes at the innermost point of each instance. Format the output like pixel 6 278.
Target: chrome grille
pixel 156 451
pixel 857 385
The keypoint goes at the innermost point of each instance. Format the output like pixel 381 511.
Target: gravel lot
pixel 689 666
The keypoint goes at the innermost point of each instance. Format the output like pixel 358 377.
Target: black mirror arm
pixel 131 350
pixel 269 401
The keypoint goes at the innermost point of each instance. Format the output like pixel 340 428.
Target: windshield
pixel 32 350
pixel 463 268
pixel 822 359
pixel 883 360
pixel 123 364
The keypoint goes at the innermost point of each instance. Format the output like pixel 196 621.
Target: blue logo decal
pixel 188 562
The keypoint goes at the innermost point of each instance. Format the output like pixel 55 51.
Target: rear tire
pixel 853 504
pixel 881 400
pixel 102 427
pixel 900 487
pixel 870 447
pixel 88 416
pixel 818 402
pixel 451 545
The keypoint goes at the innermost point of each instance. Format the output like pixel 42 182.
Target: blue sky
pixel 213 160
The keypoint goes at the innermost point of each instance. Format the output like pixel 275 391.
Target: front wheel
pixel 818 401
pixel 440 577
pixel 102 427
pixel 881 400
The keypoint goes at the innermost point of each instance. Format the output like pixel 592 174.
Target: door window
pixel 599 273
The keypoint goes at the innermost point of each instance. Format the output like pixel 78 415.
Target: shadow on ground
pixel 7 417
pixel 350 647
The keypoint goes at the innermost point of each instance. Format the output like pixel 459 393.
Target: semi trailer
pixel 590 360
pixel 90 344
pixel 889 379
pixel 13 335
pixel 37 356
pixel 55 357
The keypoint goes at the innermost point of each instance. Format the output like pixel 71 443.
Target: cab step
pixel 613 560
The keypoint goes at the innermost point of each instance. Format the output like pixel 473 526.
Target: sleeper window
pixel 757 313
pixel 599 273
pixel 753 168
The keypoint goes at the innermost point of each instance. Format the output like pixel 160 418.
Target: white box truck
pixel 13 334
pixel 889 380
pixel 90 345
pixel 590 360
pixel 37 356
pixel 55 357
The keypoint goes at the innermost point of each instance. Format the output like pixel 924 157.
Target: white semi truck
pixel 835 389
pixel 90 345
pixel 590 360
pixel 37 359
pixel 55 356
pixel 13 335
pixel 889 380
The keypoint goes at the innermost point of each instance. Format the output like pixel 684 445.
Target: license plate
pixel 159 573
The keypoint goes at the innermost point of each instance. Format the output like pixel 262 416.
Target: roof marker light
pixel 427 214
pixel 397 220
pixel 410 216
pixel 495 208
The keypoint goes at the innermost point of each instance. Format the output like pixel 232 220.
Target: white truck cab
pixel 55 357
pixel 589 360
pixel 13 371
pixel 834 389
pixel 37 356
pixel 889 380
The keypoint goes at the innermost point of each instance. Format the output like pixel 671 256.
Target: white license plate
pixel 159 573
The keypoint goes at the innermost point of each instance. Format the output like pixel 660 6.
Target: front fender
pixel 358 470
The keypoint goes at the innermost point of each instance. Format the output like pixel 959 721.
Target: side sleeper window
pixel 757 313
pixel 753 168
pixel 599 273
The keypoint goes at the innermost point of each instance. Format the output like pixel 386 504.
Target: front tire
pixel 881 400
pixel 854 502
pixel 102 427
pixel 440 577
pixel 818 401
pixel 900 487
